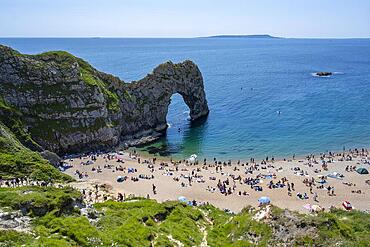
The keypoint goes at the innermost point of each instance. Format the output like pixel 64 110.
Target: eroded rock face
pixel 14 220
pixel 68 106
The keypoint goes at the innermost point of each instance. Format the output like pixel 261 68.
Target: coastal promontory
pixel 59 102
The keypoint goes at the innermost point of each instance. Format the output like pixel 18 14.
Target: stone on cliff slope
pixel 53 158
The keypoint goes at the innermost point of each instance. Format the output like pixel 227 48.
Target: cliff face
pixel 66 105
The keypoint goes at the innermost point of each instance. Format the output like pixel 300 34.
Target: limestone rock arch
pixel 153 96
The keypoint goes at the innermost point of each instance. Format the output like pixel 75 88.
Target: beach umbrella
pixel 362 170
pixel 182 199
pixel 264 200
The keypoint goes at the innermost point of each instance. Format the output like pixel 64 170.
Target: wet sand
pixel 167 188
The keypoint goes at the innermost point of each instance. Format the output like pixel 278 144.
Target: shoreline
pixel 146 154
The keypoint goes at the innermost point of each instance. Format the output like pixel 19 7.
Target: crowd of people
pixel 258 176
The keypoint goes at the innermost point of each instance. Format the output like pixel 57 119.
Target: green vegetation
pixel 351 228
pixel 41 204
pixel 143 222
pixel 238 230
pixel 18 161
pixel 111 97
pixel 12 118
pixel 46 128
pixel 38 201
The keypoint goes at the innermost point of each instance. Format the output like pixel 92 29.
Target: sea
pixel 263 95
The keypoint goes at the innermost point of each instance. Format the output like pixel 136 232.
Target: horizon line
pixel 172 37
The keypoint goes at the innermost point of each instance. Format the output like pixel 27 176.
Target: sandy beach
pixel 229 185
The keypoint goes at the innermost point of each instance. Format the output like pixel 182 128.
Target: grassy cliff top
pixel 143 222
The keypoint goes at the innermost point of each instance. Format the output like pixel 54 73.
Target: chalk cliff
pixel 59 102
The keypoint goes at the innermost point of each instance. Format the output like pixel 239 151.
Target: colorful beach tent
pixel 347 205
pixel 322 181
pixel 264 200
pixel 362 170
pixel 120 178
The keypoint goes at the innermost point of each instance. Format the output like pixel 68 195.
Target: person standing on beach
pixel 315 196
pixel 154 189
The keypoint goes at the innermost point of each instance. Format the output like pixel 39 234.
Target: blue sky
pixel 184 18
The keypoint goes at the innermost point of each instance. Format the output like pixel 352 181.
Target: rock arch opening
pixel 178 114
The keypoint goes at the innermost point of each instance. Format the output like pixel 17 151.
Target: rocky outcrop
pixel 14 220
pixel 68 106
pixel 323 73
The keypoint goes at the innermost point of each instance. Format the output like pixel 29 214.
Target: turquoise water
pixel 247 82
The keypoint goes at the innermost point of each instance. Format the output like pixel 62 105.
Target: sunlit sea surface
pixel 263 97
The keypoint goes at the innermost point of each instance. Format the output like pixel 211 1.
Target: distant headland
pixel 251 36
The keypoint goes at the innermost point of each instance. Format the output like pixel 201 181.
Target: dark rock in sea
pixel 324 73
pixel 63 104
